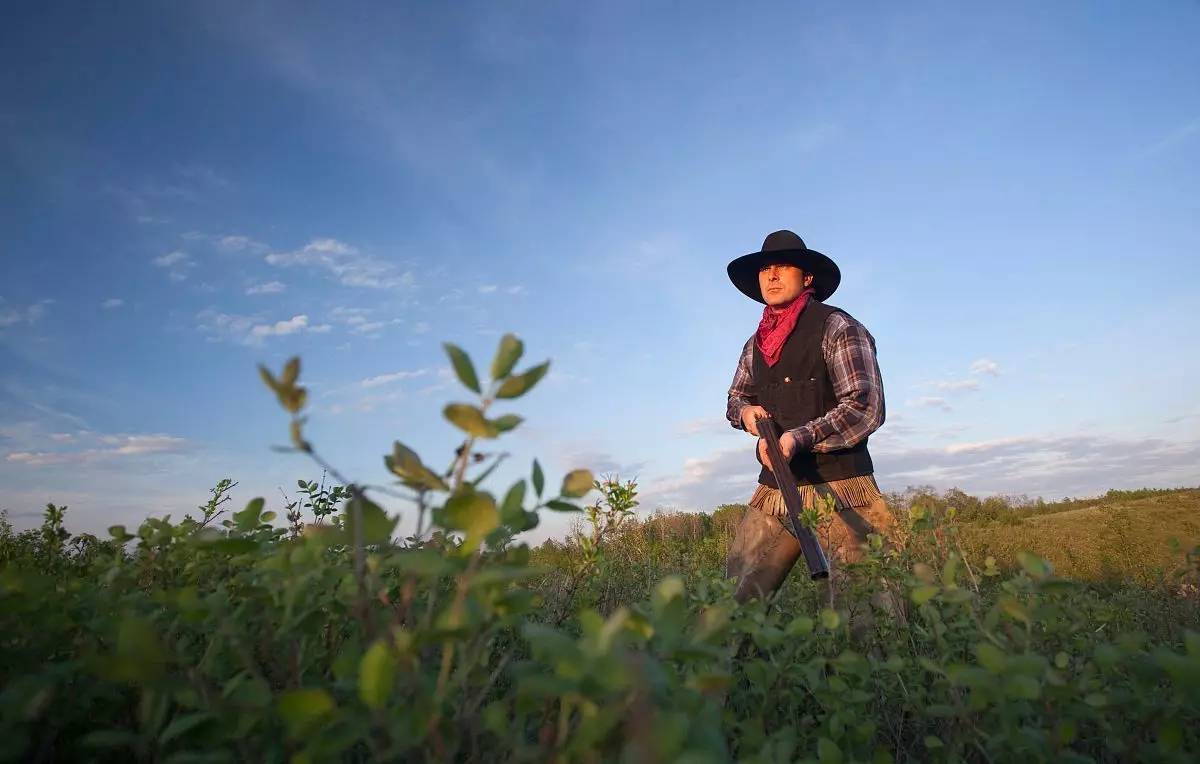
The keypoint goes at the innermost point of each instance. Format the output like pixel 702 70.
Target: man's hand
pixel 750 416
pixel 787 444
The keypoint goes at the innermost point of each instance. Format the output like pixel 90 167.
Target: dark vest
pixel 797 390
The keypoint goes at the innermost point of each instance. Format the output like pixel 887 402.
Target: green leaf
pixel 991 657
pixel 923 594
pixel 268 379
pixel 119 534
pixel 932 741
pixel 512 509
pixel 376 675
pixel 506 422
pixel 507 355
pixel 462 366
pixel 404 463
pixel 1037 568
pixel 473 513
pixel 302 709
pixel 109 739
pixel 539 479
pixel 1015 610
pixel 800 627
pixel 248 519
pixel 231 545
pixel 830 618
pixel 519 384
pixel 828 751
pixel 1096 699
pixel 470 420
pixel 577 483
pixel 561 506
pixel 181 725
pixel 1022 687
pixel 421 562
pixel 291 371
pixel 377 527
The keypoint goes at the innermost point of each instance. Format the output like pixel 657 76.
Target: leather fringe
pixel 851 492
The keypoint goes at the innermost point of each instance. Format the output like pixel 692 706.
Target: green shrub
pixel 231 637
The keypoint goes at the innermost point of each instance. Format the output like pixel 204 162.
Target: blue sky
pixel 188 189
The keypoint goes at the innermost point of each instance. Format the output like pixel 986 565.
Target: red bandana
pixel 776 325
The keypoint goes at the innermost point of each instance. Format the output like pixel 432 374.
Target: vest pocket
pixel 798 399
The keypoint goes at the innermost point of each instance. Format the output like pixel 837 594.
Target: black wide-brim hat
pixel 785 247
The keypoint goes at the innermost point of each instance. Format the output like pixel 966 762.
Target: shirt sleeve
pixel 849 351
pixel 741 391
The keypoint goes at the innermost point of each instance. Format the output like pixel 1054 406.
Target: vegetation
pixel 231 637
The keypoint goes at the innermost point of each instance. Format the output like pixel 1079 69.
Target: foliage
pixel 232 638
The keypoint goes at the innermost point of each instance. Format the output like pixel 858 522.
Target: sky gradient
pixel 1011 191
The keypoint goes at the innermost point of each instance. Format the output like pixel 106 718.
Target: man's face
pixel 781 283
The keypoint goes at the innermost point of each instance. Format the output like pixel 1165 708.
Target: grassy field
pixel 1140 539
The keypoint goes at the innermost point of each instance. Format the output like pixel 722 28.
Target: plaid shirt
pixel 849 351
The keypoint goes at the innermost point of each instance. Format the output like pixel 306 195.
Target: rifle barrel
pixel 814 556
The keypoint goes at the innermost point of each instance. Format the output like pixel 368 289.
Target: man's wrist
pixel 803 438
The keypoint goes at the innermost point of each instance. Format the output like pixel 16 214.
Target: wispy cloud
pixel 176 264
pixel 252 330
pixel 1050 466
pixel 112 302
pixel 985 366
pixel 269 287
pixel 290 326
pixel 28 315
pixel 1176 137
pixel 346 263
pixel 930 401
pixel 957 385
pixel 108 447
pixel 386 379
pixel 236 243
pixel 488 288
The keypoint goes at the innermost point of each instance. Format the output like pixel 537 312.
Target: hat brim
pixel 743 272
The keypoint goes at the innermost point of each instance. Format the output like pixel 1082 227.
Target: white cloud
pixel 957 385
pixel 252 330
pixel 930 401
pixel 985 366
pixel 386 379
pixel 488 288
pixel 1048 466
pixel 367 327
pixel 235 243
pixel 108 447
pixel 112 302
pixel 516 289
pixel 349 266
pixel 705 426
pixel 172 259
pixel 176 264
pixel 279 328
pixel 29 315
pixel 421 327
pixel 269 287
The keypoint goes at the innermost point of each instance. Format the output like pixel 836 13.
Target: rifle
pixel 814 556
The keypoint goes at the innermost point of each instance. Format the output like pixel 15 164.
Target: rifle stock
pixel 814 556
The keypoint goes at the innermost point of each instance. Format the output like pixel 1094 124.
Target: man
pixel 811 368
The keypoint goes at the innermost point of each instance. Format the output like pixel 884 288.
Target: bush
pixel 228 637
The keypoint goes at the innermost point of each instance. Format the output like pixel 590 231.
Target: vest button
pixel 787 379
